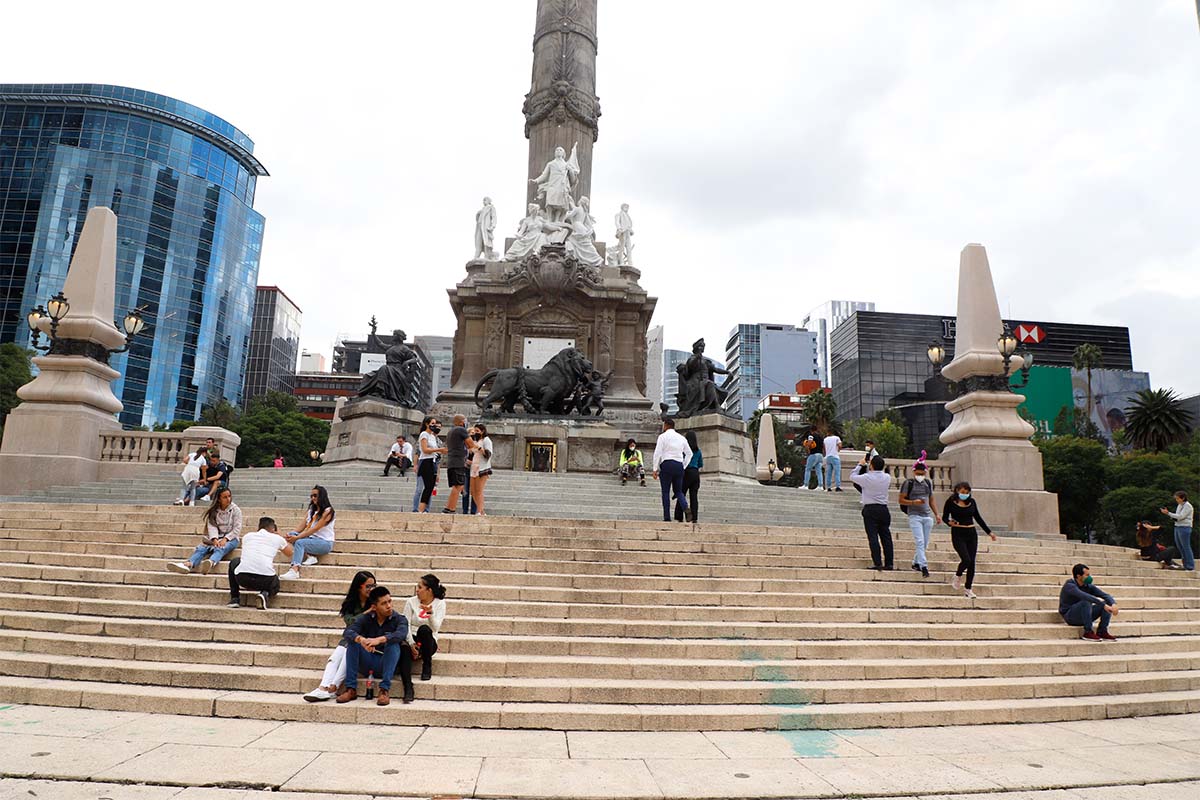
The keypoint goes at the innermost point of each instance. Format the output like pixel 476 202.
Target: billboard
pixel 1112 391
pixel 1047 393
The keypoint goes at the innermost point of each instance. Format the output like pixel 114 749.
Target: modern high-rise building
pixel 181 182
pixel 274 344
pixel 440 351
pixel 655 370
pixel 767 358
pixel 822 320
pixel 312 362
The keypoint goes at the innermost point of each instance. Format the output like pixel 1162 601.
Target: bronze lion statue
pixel 539 391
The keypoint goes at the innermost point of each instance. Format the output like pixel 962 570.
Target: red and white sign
pixel 1030 334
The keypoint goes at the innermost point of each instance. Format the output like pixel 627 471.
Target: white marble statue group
pixel 563 221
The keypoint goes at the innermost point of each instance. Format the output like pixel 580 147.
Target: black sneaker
pixel 449 511
pixel 916 567
pixel 838 489
pixel 924 572
pixel 263 600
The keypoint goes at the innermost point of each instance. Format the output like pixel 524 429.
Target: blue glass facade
pixel 181 182
pixel 766 358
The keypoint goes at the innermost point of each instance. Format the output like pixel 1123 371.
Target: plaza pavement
pixel 77 754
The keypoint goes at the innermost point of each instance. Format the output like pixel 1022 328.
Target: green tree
pixel 1121 509
pixel 819 410
pixel 1157 419
pixel 222 415
pixel 273 423
pixel 1088 357
pixel 14 373
pixel 1074 469
pixel 891 440
pixel 1073 421
pixel 786 452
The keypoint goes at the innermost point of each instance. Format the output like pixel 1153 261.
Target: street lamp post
pixel 56 309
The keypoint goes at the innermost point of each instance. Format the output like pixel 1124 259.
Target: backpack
pixel 905 488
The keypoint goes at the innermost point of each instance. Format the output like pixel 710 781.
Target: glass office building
pixel 274 344
pixel 765 358
pixel 181 182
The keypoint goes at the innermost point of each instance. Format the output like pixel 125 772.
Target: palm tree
pixel 1088 357
pixel 1157 419
pixel 819 410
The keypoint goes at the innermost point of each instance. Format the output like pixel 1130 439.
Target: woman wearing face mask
pixel 481 464
pixel 961 513
pixel 431 448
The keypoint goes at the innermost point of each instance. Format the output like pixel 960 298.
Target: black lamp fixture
pixel 55 310
pixel 1006 344
pixel 935 353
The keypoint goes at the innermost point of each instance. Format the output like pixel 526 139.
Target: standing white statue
pixel 530 235
pixel 624 236
pixel 485 225
pixel 581 241
pixel 557 181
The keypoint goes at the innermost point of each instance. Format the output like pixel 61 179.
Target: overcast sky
pixel 774 154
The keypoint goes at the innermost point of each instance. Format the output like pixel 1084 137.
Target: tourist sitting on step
pixel 353 604
pixel 961 513
pixel 255 570
pixel 222 522
pixel 632 464
pixel 375 647
pixel 1081 602
pixel 1150 549
pixel 316 537
pixel 215 476
pixel 425 611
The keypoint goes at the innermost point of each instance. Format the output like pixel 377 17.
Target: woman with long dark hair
pixel 632 464
pixel 1149 548
pixel 691 482
pixel 222 523
pixel 427 462
pixel 961 513
pixel 425 610
pixel 481 464
pixel 355 603
pixel 315 538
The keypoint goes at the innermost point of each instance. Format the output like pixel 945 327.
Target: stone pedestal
pixel 367 429
pixel 724 442
pixel 578 444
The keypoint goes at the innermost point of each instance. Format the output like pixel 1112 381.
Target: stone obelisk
pixel 561 107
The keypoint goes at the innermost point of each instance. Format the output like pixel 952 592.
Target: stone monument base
pixel 724 442
pixel 1006 479
pixel 367 429
pixel 51 444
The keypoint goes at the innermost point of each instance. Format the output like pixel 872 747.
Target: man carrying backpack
pixel 916 500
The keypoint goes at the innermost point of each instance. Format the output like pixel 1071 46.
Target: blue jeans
pixel 833 472
pixel 309 546
pixel 188 493
pixel 417 493
pixel 360 662
pixel 922 531
pixel 212 553
pixel 1183 543
pixel 813 464
pixel 670 477
pixel 1085 612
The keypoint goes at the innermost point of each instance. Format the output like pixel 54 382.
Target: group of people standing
pixel 467 456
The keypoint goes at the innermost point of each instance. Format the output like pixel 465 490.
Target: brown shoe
pixel 383 698
pixel 347 696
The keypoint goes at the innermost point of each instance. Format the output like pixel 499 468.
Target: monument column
pixel 561 107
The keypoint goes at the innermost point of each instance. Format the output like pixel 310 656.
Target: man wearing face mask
pixel 916 499
pixel 1081 602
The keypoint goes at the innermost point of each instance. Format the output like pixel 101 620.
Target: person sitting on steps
pixel 1149 549
pixel 632 464
pixel 255 570
pixel 216 475
pixel 376 643
pixel 1081 602
pixel 222 529
pixel 354 604
pixel 317 535
pixel 425 611
pixel 400 456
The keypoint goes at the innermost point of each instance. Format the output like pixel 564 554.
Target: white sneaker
pixel 969 594
pixel 290 575
pixel 182 567
pixel 318 694
pixel 310 561
pixel 957 582
pixel 177 503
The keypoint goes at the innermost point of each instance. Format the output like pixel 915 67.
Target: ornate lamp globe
pixel 936 354
pixel 58 307
pixel 133 323
pixel 34 316
pixel 1007 343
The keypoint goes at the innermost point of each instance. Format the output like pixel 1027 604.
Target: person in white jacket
pixel 191 476
pixel 426 611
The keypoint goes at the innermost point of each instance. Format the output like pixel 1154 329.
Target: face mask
pixel 920 478
pixel 964 495
pixel 435 428
pixel 1087 581
pixel 477 436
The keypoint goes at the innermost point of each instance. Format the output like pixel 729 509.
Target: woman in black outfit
pixel 691 482
pixel 1150 549
pixel 961 514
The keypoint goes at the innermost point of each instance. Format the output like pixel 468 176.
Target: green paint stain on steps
pixel 813 744
pixel 789 698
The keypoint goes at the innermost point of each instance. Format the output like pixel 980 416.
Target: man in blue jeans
pixel 814 463
pixel 376 642
pixel 671 453
pixel 833 462
pixel 1081 602
pixel 1183 516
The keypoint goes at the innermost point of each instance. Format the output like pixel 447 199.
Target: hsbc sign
pixel 1027 333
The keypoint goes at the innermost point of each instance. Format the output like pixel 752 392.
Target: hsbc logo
pixel 1030 334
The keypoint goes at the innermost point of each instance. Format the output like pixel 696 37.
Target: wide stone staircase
pixel 591 624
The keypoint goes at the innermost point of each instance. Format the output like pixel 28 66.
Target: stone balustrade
pixel 164 447
pixel 941 473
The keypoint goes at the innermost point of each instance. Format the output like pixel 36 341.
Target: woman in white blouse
pixel 426 611
pixel 481 464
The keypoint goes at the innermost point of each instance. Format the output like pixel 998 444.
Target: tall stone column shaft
pixel 561 107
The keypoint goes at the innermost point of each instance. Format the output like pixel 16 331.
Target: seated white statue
pixel 581 242
pixel 530 235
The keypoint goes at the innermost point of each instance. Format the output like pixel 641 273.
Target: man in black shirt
pixel 215 476
pixel 1081 602
pixel 376 642
pixel 456 462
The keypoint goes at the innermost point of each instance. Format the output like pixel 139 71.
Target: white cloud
pixel 775 154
